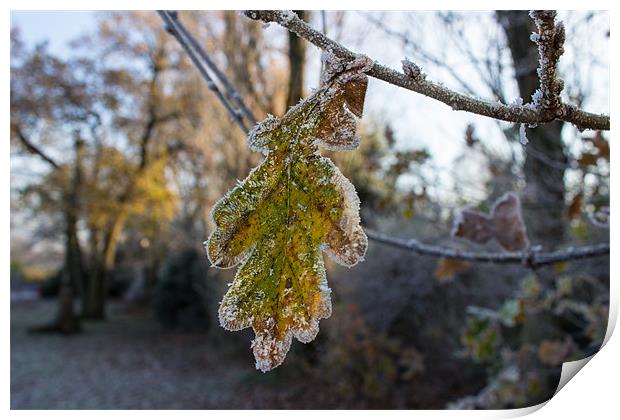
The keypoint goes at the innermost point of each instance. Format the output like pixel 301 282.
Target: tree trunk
pixel 297 64
pixel 546 161
pixel 67 322
pixel 94 304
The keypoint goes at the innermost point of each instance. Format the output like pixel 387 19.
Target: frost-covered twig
pixel 530 258
pixel 519 114
pixel 174 27
pixel 550 40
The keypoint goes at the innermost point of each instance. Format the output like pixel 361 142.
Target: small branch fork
pixel 529 258
pixel 416 81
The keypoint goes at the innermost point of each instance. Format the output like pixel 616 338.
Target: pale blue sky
pixel 56 26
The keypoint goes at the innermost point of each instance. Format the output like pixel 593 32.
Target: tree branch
pixel 230 89
pixel 32 148
pixel 524 114
pixel 174 27
pixel 550 40
pixel 529 258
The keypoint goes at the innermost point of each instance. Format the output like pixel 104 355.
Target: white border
pixel 592 394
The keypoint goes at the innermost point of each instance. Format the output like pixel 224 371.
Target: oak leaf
pixel 504 224
pixel 294 206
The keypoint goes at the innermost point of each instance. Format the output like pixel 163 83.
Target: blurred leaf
pixel 580 230
pixel 413 363
pixel 481 338
pixel 448 268
pixel 294 205
pixel 504 224
pixel 564 286
pixel 560 267
pixel 555 352
pixel 574 209
pixel 587 159
pixel 512 312
pixel 530 286
pixel 600 144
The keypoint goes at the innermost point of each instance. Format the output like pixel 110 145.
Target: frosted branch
pixel 457 101
pixel 550 40
pixel 530 257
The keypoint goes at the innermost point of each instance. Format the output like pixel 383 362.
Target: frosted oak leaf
pixel 294 206
pixel 504 224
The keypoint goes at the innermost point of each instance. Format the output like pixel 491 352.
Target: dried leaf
pixel 587 159
pixel 504 224
pixel 295 205
pixel 448 268
pixel 574 209
pixel 555 352
pixel 601 145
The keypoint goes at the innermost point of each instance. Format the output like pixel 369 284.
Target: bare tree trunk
pixel 95 297
pixel 67 322
pixel 297 64
pixel 546 161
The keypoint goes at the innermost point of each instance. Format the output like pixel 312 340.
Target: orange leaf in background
pixel 555 352
pixel 504 224
pixel 448 268
pixel 574 209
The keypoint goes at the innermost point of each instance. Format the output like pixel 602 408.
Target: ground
pixel 131 362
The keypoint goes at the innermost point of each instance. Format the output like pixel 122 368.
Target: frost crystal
pixel 294 205
pixel 517 102
pixel 522 137
pixel 412 70
pixel 537 98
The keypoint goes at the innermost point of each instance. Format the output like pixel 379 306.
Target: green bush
pixel 51 286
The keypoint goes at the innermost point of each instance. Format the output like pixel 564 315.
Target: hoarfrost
pixel 288 15
pixel 517 102
pixel 270 352
pixel 522 137
pixel 537 98
pixel 412 70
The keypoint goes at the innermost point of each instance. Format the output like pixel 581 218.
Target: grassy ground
pixel 130 362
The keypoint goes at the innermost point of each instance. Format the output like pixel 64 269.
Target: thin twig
pixel 529 258
pixel 34 149
pixel 525 114
pixel 173 27
pixel 236 97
